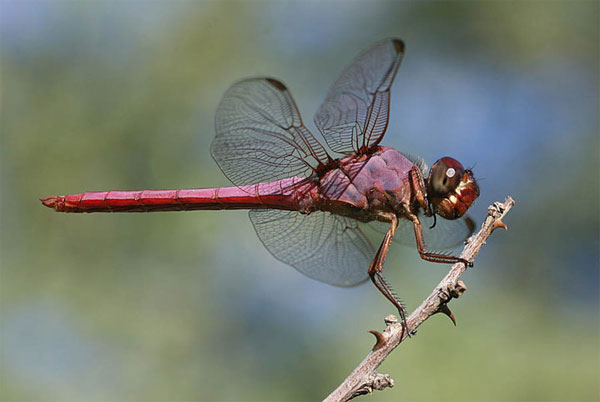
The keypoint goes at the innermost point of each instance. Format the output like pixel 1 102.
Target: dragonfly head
pixel 451 188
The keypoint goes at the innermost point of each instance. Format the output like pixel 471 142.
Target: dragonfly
pixel 310 202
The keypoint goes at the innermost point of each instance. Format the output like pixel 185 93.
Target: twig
pixel 364 379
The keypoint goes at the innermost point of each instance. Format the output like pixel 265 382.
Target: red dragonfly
pixel 309 203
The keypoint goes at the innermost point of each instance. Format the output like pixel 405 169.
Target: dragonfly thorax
pixel 378 183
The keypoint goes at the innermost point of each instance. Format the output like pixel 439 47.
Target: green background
pixel 190 306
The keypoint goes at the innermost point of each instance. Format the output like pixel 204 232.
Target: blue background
pixel 181 306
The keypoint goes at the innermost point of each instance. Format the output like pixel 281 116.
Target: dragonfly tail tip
pixel 50 202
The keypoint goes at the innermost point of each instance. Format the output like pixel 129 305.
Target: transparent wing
pixel 354 115
pixel 446 234
pixel 260 135
pixel 325 247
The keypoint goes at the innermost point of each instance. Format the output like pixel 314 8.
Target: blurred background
pixel 190 306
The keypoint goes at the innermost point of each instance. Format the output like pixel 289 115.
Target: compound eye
pixel 445 175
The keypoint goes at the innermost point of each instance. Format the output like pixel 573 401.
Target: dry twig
pixel 364 379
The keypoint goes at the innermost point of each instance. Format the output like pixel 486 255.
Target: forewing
pixel 260 135
pixel 325 247
pixel 446 234
pixel 354 115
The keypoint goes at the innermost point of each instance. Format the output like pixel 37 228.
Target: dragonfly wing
pixel 446 234
pixel 325 247
pixel 354 115
pixel 260 135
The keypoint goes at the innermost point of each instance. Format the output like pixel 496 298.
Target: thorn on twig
pixel 381 339
pixel 444 309
pixel 499 224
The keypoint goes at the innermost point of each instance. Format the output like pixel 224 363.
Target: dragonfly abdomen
pixel 244 197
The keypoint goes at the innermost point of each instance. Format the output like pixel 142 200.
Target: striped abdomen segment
pixel 283 194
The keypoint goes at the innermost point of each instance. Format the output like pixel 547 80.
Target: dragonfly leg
pixel 419 190
pixel 431 256
pixel 377 266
